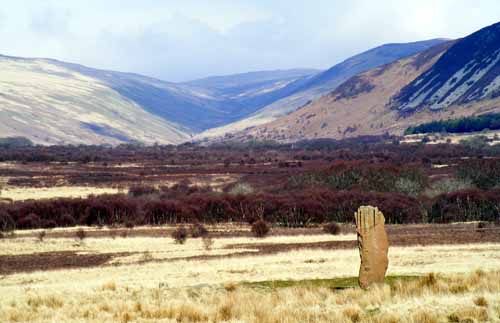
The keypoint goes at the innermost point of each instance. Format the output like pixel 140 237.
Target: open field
pixel 145 276
pixel 23 193
pixel 86 233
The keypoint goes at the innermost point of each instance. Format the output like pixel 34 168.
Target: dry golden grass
pixel 423 300
pixel 162 247
pixel 30 193
pixel 136 289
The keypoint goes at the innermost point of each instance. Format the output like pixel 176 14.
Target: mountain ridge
pixel 71 103
pixel 372 102
pixel 468 71
pixel 324 82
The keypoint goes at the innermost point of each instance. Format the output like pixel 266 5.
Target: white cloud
pixel 179 40
pixel 50 21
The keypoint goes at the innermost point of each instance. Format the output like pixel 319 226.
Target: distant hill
pixel 54 102
pixel 384 90
pixel 232 86
pixel 301 92
pixel 49 103
pixel 243 94
pixel 449 80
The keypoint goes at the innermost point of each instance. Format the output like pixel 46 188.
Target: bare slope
pixel 51 104
pixel 468 72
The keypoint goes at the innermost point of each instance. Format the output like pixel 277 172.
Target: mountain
pixel 383 90
pixel 243 94
pixel 199 104
pixel 54 102
pixel 469 71
pixel 194 109
pixel 244 85
pixel 449 80
pixel 301 92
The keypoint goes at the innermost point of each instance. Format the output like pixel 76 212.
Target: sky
pixel 180 40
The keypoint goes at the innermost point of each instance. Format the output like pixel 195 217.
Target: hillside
pixel 51 104
pixel 383 90
pixel 200 104
pixel 54 102
pixel 469 71
pixel 238 86
pixel 301 92
pixel 241 95
pixel 393 97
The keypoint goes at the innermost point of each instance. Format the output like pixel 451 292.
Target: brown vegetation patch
pixel 439 234
pixel 52 261
pixel 262 249
pixel 398 236
pixel 161 232
pixel 352 88
pixel 425 235
pixel 426 56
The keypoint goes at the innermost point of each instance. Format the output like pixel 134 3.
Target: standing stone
pixel 373 245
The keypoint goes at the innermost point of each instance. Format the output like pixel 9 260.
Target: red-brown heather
pixel 309 183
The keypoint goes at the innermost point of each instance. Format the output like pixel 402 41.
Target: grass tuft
pixel 481 301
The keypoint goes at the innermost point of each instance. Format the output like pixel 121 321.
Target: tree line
pixel 461 125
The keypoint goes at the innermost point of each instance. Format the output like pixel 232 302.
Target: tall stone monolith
pixel 373 245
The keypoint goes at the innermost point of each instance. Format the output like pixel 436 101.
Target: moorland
pixel 255 232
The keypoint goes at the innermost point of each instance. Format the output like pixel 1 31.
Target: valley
pixel 364 188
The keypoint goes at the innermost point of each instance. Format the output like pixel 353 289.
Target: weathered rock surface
pixel 373 245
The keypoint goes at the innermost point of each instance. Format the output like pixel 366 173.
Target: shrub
pixel 448 185
pixel 379 177
pixel 41 235
pixel 260 228
pixel 230 287
pixel 80 234
pixel 67 220
pixel 6 221
pixel 408 187
pixel 98 213
pixel 241 189
pixel 464 206
pixel 113 233
pixel 332 228
pixel 483 173
pixel 49 224
pixel 482 225
pixel 197 230
pixel 180 235
pixel 30 221
pixel 481 301
pixel 163 212
pixel 137 191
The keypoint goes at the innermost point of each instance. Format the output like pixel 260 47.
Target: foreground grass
pixel 334 283
pixel 473 297
pixel 306 285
